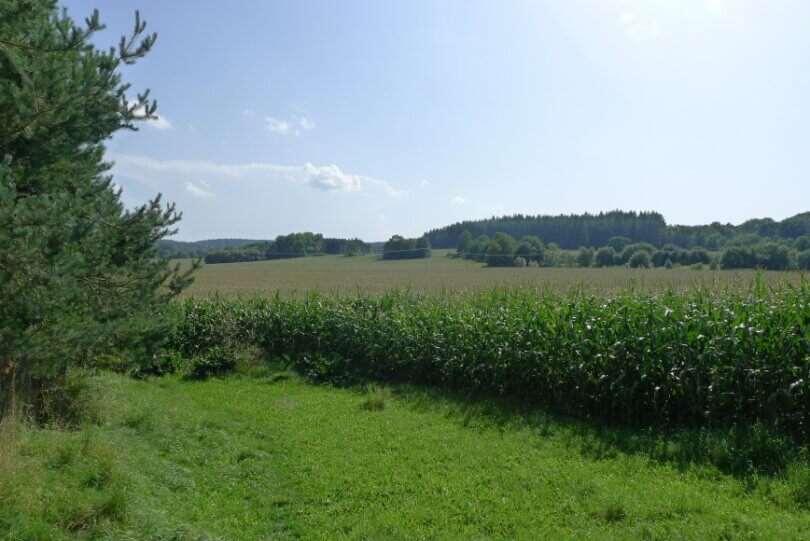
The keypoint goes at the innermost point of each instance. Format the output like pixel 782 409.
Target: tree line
pixel 398 247
pixel 289 246
pixel 572 231
pixel 503 250
pixel 176 249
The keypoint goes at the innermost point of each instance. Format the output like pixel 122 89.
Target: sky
pixel 371 118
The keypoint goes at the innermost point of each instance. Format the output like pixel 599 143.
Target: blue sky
pixel 369 118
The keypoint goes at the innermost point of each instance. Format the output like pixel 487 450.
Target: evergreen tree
pixel 79 274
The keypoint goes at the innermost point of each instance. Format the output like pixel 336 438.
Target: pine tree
pixel 79 275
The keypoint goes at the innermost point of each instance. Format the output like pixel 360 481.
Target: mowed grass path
pixel 282 459
pixel 347 275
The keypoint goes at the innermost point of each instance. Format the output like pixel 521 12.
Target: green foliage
pixel 803 260
pixel 288 246
pixel 767 255
pixel 175 249
pixel 639 260
pixel 569 232
pixel 585 257
pixel 605 257
pixel 217 361
pixel 159 364
pixel 697 359
pixel 618 243
pixel 399 247
pixel 464 242
pixel 79 274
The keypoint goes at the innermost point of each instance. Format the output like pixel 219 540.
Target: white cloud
pixel 458 200
pixel 327 178
pixel 197 191
pixel 424 183
pixel 248 112
pixel 277 126
pixel 296 124
pixel 626 18
pixel 330 178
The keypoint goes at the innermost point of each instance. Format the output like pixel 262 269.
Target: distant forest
pixel 607 238
pixel 177 249
pixel 288 246
pixel 594 230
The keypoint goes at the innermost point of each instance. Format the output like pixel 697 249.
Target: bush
pixel 640 259
pixel 605 256
pixel 803 260
pixel 217 361
pixel 159 364
pixel 519 262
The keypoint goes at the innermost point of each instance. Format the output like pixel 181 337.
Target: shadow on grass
pixel 744 451
pixel 741 451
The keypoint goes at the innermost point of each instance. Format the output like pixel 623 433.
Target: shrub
pixel 605 256
pixel 519 262
pixel 159 364
pixel 803 260
pixel 216 361
pixel 640 259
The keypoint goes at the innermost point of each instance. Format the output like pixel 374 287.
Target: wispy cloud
pixel 198 191
pixel 626 18
pixel 458 200
pixel 248 112
pixel 424 183
pixel 296 125
pixel 326 178
pixel 277 126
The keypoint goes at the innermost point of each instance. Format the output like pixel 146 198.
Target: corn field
pixel 702 358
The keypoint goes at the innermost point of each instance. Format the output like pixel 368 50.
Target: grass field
pixel 345 275
pixel 273 457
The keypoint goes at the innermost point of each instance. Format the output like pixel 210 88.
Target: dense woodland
pixel 594 230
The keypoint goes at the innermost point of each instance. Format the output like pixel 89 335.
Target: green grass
pixel 342 275
pixel 277 458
